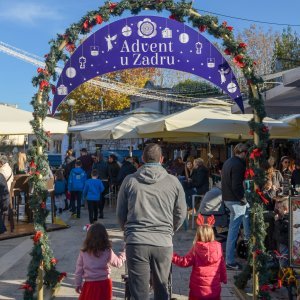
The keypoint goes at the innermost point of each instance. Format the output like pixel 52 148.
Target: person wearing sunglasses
pixel 286 174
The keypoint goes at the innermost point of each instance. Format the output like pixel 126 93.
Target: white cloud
pixel 28 13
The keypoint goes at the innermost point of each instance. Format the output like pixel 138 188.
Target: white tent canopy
pixel 216 121
pixel 293 120
pixel 123 127
pixel 17 121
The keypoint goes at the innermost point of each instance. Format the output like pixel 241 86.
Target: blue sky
pixel 30 24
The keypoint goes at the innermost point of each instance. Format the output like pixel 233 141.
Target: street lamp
pixel 71 103
pixel 101 102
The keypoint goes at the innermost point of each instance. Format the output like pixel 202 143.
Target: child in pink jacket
pixel 206 257
pixel 92 275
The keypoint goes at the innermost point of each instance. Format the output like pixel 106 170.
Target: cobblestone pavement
pixel 66 244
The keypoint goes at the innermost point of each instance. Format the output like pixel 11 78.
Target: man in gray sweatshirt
pixel 151 206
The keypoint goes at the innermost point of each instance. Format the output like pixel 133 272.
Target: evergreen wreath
pixel 181 11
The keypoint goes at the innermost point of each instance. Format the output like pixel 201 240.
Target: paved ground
pixel 14 258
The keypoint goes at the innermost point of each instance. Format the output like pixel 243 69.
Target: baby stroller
pixel 212 204
pixel 125 278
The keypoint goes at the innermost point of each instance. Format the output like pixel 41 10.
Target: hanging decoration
pixel 181 11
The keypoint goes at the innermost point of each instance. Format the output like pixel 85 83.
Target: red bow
pixel 112 6
pixel 43 84
pixel 70 47
pixel 62 276
pixel 242 45
pixel 26 286
pixel 37 236
pixel 238 60
pixel 53 261
pixel 249 173
pixel 255 153
pixel 98 19
pixel 262 197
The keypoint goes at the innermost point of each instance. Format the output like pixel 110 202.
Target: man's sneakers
pixel 234 266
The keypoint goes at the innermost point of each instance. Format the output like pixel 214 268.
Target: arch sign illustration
pixel 146 41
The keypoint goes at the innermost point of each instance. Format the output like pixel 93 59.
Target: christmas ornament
pixel 227 51
pixel 202 28
pixel 53 90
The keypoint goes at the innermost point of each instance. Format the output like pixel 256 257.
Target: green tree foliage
pixel 197 89
pixel 87 96
pixel 287 50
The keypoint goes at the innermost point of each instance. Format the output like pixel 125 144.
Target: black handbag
pixel 242 249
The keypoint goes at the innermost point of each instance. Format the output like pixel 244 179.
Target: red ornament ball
pixel 202 28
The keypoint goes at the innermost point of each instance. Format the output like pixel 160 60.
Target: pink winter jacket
pixel 92 268
pixel 209 269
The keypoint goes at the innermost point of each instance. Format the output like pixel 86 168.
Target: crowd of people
pixel 153 200
pixel 152 204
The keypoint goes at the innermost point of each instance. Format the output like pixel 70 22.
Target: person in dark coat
pixel 233 194
pixel 69 163
pixel 295 180
pixel 126 169
pixel 101 166
pixel 198 183
pixel 4 201
pixel 113 170
pixel 86 162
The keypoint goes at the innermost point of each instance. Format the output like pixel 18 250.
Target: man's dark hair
pixel 78 163
pixel 152 153
pixel 94 173
pixel 114 157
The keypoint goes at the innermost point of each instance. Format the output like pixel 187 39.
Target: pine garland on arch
pixel 181 11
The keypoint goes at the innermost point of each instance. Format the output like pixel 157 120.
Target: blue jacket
pixel 93 189
pixel 77 179
pixel 60 187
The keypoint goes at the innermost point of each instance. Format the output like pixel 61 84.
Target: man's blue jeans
pixel 238 214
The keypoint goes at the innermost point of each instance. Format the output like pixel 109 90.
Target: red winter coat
pixel 209 270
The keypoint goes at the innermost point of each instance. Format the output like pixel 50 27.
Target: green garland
pixel 181 11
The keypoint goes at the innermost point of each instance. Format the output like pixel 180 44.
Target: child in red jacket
pixel 206 257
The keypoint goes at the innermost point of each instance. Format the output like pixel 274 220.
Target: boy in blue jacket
pixel 77 179
pixel 92 193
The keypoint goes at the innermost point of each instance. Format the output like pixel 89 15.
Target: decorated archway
pixel 73 75
pixel 140 42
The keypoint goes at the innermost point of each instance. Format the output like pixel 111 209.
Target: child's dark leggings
pixel 76 196
pixel 93 210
